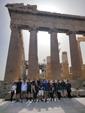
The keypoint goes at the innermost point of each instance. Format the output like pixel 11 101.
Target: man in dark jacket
pixel 68 87
pixel 18 90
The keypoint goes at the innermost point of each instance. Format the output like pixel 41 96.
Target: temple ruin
pixel 29 18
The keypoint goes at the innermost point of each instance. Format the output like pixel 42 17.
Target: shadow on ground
pixel 74 105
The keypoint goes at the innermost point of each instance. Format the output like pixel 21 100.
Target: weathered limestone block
pixel 5 90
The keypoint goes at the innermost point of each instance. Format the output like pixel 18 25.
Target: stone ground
pixel 74 105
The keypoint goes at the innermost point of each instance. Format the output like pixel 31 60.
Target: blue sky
pixel 74 7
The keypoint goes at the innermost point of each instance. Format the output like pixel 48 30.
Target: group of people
pixel 40 90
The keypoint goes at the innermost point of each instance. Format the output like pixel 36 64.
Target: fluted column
pixel 55 64
pixel 80 54
pixel 75 59
pixel 15 59
pixel 33 68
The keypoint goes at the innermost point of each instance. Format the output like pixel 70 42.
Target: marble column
pixel 15 59
pixel 80 53
pixel 75 59
pixel 55 64
pixel 33 68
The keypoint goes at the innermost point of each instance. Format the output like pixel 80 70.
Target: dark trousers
pixel 34 96
pixel 59 95
pixel 69 93
pixel 12 94
pixel 51 95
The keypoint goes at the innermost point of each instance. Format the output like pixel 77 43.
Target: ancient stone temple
pixel 29 18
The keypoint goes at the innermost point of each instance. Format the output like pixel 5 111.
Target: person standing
pixel 33 90
pixel 46 89
pixel 59 89
pixel 28 90
pixel 51 91
pixel 40 92
pixel 24 89
pixel 63 88
pixel 13 90
pixel 18 90
pixel 68 87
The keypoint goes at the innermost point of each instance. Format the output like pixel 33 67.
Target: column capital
pixel 54 30
pixel 14 26
pixel 71 32
pixel 34 28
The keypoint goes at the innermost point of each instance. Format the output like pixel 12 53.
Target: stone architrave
pixel 55 64
pixel 75 58
pixel 15 60
pixel 33 68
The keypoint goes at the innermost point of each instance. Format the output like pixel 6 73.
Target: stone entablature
pixel 28 16
pixel 22 7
